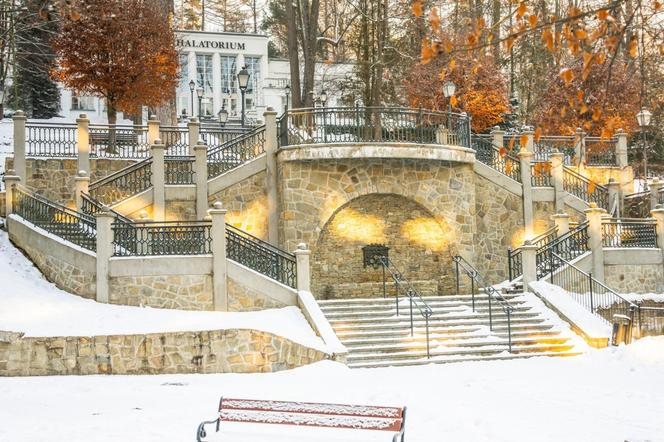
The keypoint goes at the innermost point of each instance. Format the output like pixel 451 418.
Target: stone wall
pixel 246 202
pixel 180 210
pixel 182 292
pixel 499 226
pixel 542 211
pixel 219 351
pixel 635 278
pixel 242 298
pixel 3 203
pixel 54 178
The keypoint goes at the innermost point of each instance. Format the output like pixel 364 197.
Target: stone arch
pixel 419 245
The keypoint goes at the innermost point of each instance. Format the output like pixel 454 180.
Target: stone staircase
pixel 376 337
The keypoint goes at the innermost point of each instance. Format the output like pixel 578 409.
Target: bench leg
pixel 200 431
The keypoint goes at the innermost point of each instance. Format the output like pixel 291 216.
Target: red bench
pixel 360 417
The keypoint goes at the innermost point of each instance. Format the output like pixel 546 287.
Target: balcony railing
pixel 629 233
pixel 498 159
pixel 51 140
pixel 179 170
pixel 114 141
pixel 123 184
pixel 161 238
pixel 600 152
pixel 541 174
pixel 236 152
pixel 585 189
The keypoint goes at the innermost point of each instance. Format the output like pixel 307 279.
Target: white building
pixel 212 60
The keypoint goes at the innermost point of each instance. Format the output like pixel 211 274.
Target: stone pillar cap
pixel 19 114
pixel 193 120
pixel 217 209
pixel 158 143
pixel 559 214
pixel 153 117
pixel 82 117
pixel 82 173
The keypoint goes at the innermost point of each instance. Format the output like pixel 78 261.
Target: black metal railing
pixel 570 245
pixel 493 295
pixel 585 189
pixel 541 174
pixel 215 136
pixel 115 141
pixel 515 257
pixel 498 159
pixel 650 320
pixel 75 227
pixel 162 238
pixel 179 170
pixel 175 140
pixel 600 152
pixel 123 184
pixel 261 256
pixel 51 140
pixel 548 144
pixel 372 124
pixel 91 207
pixel 236 152
pixel 637 205
pixel 625 232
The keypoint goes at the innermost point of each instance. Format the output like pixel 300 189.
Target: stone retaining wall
pixel 182 292
pixel 219 351
pixel 635 278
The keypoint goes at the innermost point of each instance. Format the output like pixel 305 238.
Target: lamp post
pixel 287 92
pixel 243 82
pixel 643 118
pixel 323 97
pixel 223 116
pixel 448 91
pixel 199 93
pixel 192 86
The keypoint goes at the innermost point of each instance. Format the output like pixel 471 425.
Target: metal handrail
pixel 490 154
pixel 629 232
pixel 600 194
pixel 514 263
pixel 491 292
pixel 96 207
pixel 124 171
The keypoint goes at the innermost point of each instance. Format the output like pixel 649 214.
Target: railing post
pixel 19 145
pixel 302 255
pixel 456 264
pixel 529 263
pixel 201 179
pixel 219 261
pixel 83 142
pixel 81 184
pixel 592 300
pixel 626 172
pixel 657 213
pixel 11 182
pixel 442 135
pixel 655 187
pixel 194 128
pixel 472 290
pixel 426 319
pixel 530 140
pixel 561 221
pixel 153 129
pixel 490 312
pixel 104 247
pixel 410 300
pixel 615 198
pixel 594 216
pixel 510 272
pixel 525 158
pixel 580 147
pixel 557 161
pixel 630 329
pixel 271 176
pixel 509 329
pixel 158 181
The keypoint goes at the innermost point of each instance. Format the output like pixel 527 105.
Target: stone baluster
pixel 158 181
pixel 83 142
pixel 153 129
pixel 201 179
pixel 302 255
pixel 104 252
pixel 595 215
pixel 271 177
pixel 561 221
pixel 19 145
pixel 529 263
pixel 81 184
pixel 219 261
pixel 194 127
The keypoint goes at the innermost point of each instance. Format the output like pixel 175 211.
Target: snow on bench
pixel 364 417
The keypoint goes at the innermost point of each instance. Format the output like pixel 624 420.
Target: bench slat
pixel 311 420
pixel 311 408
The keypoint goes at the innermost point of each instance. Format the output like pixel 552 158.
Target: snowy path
pixel 608 395
pixel 30 304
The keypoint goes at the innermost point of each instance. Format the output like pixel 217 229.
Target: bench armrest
pixel 200 431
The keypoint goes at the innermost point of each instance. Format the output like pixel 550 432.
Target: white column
pixel 216 83
pixel 561 221
pixel 83 142
pixel 303 269
pixel 81 184
pixel 655 187
pixel 615 197
pixel 158 181
pixel 529 263
pixel 219 261
pixel 594 216
pixel 580 146
pixel 153 129
pixel 525 158
pixel 271 179
pixel 11 181
pixel 498 136
pixel 105 220
pixel 19 144
pixel 201 179
pixel 557 161
pixel 621 148
pixel 194 127
pixel 530 140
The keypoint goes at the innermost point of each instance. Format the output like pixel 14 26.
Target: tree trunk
pixel 112 115
pixel 293 55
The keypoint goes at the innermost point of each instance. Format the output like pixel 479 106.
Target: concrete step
pixel 390 306
pixel 531 329
pixel 390 300
pixel 440 324
pixel 437 312
pixel 468 319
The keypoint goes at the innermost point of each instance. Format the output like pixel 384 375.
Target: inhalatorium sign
pixel 210 44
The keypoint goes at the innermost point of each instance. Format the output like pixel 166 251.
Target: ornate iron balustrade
pixel 176 140
pixel 51 140
pixel 600 152
pixel 570 245
pixel 261 256
pixel 540 174
pixel 650 320
pixel 179 170
pixel 585 189
pixel 493 295
pixel 372 124
pixel 162 238
pixel 548 144
pixel 637 205
pixel 75 227
pixel 515 257
pixel 122 184
pixel 215 136
pixel 490 155
pixel 629 233
pixel 236 152
pixel 91 207
pixel 110 141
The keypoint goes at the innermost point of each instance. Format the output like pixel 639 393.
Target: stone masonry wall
pixel 54 178
pixel 642 278
pixel 3 202
pixel 180 210
pixel 219 351
pixel 242 299
pixel 246 202
pixel 182 292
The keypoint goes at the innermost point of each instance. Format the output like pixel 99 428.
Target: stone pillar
pixel 219 261
pixel 530 140
pixel 595 215
pixel 557 162
pixel 81 184
pixel 83 142
pixel 271 177
pixel 194 132
pixel 105 220
pixel 19 145
pixel 561 221
pixel 11 181
pixel 525 158
pixel 615 198
pixel 655 187
pixel 153 129
pixel 623 163
pixel 201 179
pixel 529 263
pixel 498 137
pixel 658 214
pixel 302 255
pixel 580 146
pixel 158 181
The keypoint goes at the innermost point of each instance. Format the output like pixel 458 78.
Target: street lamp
pixel 323 97
pixel 243 82
pixel 287 91
pixel 223 116
pixel 643 118
pixel 192 86
pixel 199 93
pixel 448 91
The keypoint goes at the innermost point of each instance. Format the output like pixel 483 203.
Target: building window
pixel 184 101
pixel 82 103
pixel 254 87
pixel 204 80
pixel 228 78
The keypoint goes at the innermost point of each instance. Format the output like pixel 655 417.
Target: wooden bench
pixel 359 417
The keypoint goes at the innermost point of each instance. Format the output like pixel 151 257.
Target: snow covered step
pixel 404 333
pixel 368 308
pixel 370 324
pixel 390 300
pixel 417 317
pixel 437 312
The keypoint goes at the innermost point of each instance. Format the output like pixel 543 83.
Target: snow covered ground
pixel 604 395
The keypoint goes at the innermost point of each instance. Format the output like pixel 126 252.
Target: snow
pixel 591 324
pixel 47 311
pixel 613 394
